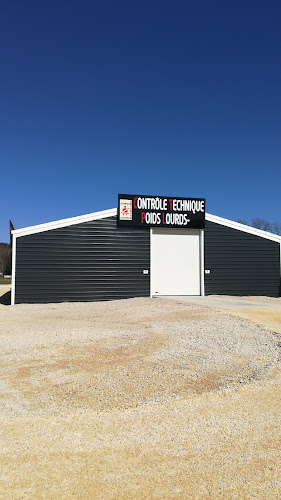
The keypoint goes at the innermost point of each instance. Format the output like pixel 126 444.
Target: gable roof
pixel 64 222
pixel 113 212
pixel 243 227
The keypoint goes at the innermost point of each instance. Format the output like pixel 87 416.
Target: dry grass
pixel 269 317
pixel 251 298
pixel 108 401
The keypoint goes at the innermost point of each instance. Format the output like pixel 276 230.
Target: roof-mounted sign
pixel 160 211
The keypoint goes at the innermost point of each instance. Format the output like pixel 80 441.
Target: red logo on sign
pixel 125 210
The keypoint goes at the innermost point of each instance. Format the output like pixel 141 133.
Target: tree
pixel 260 223
pixel 276 228
pixel 8 265
pixel 5 258
pixel 265 225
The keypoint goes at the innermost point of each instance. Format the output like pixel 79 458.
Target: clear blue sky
pixel 177 98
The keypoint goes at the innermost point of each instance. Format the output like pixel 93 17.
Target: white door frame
pixel 201 260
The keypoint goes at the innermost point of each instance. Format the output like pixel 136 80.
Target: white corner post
pixel 202 264
pixel 150 271
pixel 13 290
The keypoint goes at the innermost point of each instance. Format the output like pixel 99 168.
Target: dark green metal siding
pixel 240 263
pixel 85 262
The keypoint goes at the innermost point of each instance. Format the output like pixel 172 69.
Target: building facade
pixel 93 257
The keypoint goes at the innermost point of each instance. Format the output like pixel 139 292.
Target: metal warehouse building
pixel 148 246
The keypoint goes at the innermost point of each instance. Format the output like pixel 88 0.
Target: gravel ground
pixel 139 398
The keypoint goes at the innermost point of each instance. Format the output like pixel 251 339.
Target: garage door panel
pixel 175 262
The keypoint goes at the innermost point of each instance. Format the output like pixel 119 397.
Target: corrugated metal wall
pixel 240 263
pixel 85 262
pixel 100 261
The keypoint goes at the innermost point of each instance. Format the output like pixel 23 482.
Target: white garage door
pixel 175 262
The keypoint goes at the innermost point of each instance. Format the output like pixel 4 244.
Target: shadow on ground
pixel 5 299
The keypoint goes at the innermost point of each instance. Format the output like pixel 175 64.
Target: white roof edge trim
pixel 243 227
pixel 113 211
pixel 64 222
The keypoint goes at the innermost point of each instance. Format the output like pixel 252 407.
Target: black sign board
pixel 160 211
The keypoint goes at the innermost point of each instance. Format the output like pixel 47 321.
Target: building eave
pixel 243 227
pixel 64 222
pixel 113 212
